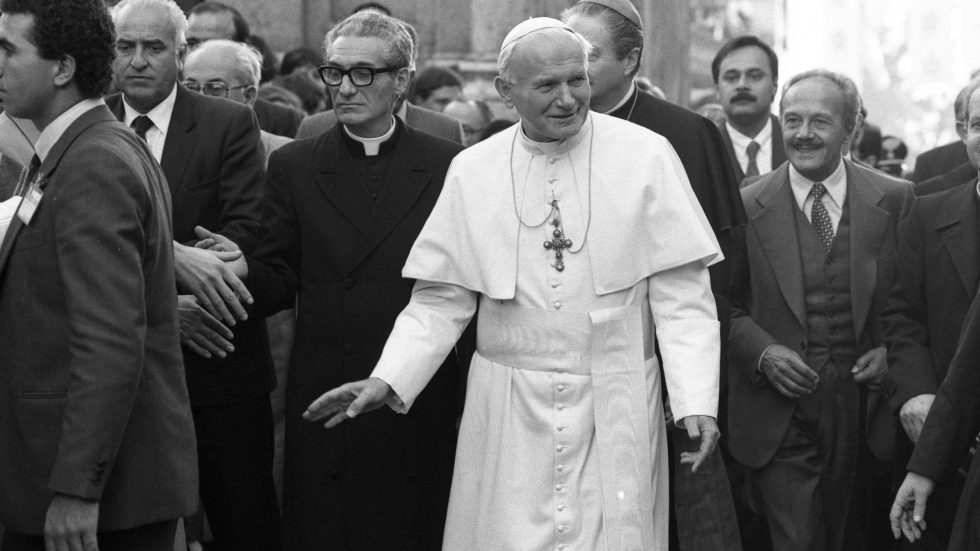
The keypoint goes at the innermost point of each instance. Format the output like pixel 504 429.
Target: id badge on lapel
pixel 32 198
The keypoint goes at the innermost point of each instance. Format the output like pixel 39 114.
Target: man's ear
pixel 64 71
pixel 961 130
pixel 251 94
pixel 632 60
pixel 402 79
pixel 504 88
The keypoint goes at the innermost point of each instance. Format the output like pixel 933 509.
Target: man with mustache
pixel 807 358
pixel 746 71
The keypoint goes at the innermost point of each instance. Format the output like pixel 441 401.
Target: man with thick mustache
pixel 746 71
pixel 806 341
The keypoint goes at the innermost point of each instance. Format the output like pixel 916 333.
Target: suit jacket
pixel 345 254
pixel 955 177
pixel 214 166
pixel 430 122
pixel 937 272
pixel 92 396
pixel 778 151
pixel 277 119
pixel 939 160
pixel 951 428
pixel 768 295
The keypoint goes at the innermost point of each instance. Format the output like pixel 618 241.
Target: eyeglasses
pixel 219 89
pixel 359 76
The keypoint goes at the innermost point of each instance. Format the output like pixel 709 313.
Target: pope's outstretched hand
pixel 348 401
pixel 706 429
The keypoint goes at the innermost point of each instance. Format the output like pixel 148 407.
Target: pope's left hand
pixel 705 428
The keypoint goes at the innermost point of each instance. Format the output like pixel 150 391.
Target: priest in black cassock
pixel 615 30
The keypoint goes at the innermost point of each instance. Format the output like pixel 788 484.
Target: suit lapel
pixel 338 181
pixel 726 137
pixel 180 141
pixel 407 178
pixel 957 225
pixel 93 116
pixel 775 227
pixel 867 227
pixel 778 151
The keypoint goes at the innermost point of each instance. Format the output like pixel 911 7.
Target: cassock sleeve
pixel 687 329
pixel 424 334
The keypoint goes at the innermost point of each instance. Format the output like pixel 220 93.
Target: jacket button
pixel 348 283
pixel 348 348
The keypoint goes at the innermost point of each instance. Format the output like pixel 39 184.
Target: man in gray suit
pixel 806 341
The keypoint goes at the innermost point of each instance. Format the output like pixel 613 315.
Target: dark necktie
pixel 752 151
pixel 141 124
pixel 819 217
pixel 32 169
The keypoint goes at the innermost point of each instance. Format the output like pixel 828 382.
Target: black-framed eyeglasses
pixel 219 89
pixel 359 76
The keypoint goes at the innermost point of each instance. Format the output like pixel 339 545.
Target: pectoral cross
pixel 558 243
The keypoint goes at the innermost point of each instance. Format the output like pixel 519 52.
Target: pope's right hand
pixel 348 401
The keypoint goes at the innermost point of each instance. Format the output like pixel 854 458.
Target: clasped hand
pixel 787 372
pixel 212 272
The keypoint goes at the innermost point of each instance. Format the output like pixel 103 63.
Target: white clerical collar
pixel 159 115
pixel 836 185
pixel 555 147
pixel 53 131
pixel 623 101
pixel 740 142
pixel 373 145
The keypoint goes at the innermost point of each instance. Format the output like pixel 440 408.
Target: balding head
pixel 217 64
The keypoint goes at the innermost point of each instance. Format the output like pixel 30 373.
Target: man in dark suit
pixel 954 178
pixel 746 72
pixel 949 431
pixel 430 122
pixel 211 20
pixel 937 273
pixel 940 160
pixel 96 439
pixel 806 346
pixel 209 150
pixel 614 29
pixel 343 210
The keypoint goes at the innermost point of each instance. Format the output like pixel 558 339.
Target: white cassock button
pixel 555 285
pixel 560 468
pixel 561 527
pixel 561 407
pixel 561 388
pixel 557 306
pixel 560 488
pixel 559 448
pixel 552 180
pixel 561 428
pixel 561 547
pixel 553 160
pixel 562 507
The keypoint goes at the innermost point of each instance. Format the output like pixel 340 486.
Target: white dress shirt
pixel 833 200
pixel 159 116
pixel 740 143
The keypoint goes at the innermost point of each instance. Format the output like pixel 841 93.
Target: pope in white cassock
pixel 580 237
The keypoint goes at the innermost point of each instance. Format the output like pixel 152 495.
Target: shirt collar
pixel 740 141
pixel 836 185
pixel 372 146
pixel 622 102
pixel 159 115
pixel 557 147
pixel 52 132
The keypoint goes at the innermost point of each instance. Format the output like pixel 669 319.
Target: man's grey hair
pixel 551 33
pixel 852 98
pixel 177 18
pixel 248 60
pixel 400 52
pixel 967 93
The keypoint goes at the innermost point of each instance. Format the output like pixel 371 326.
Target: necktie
pixel 141 124
pixel 819 218
pixel 32 169
pixel 752 150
